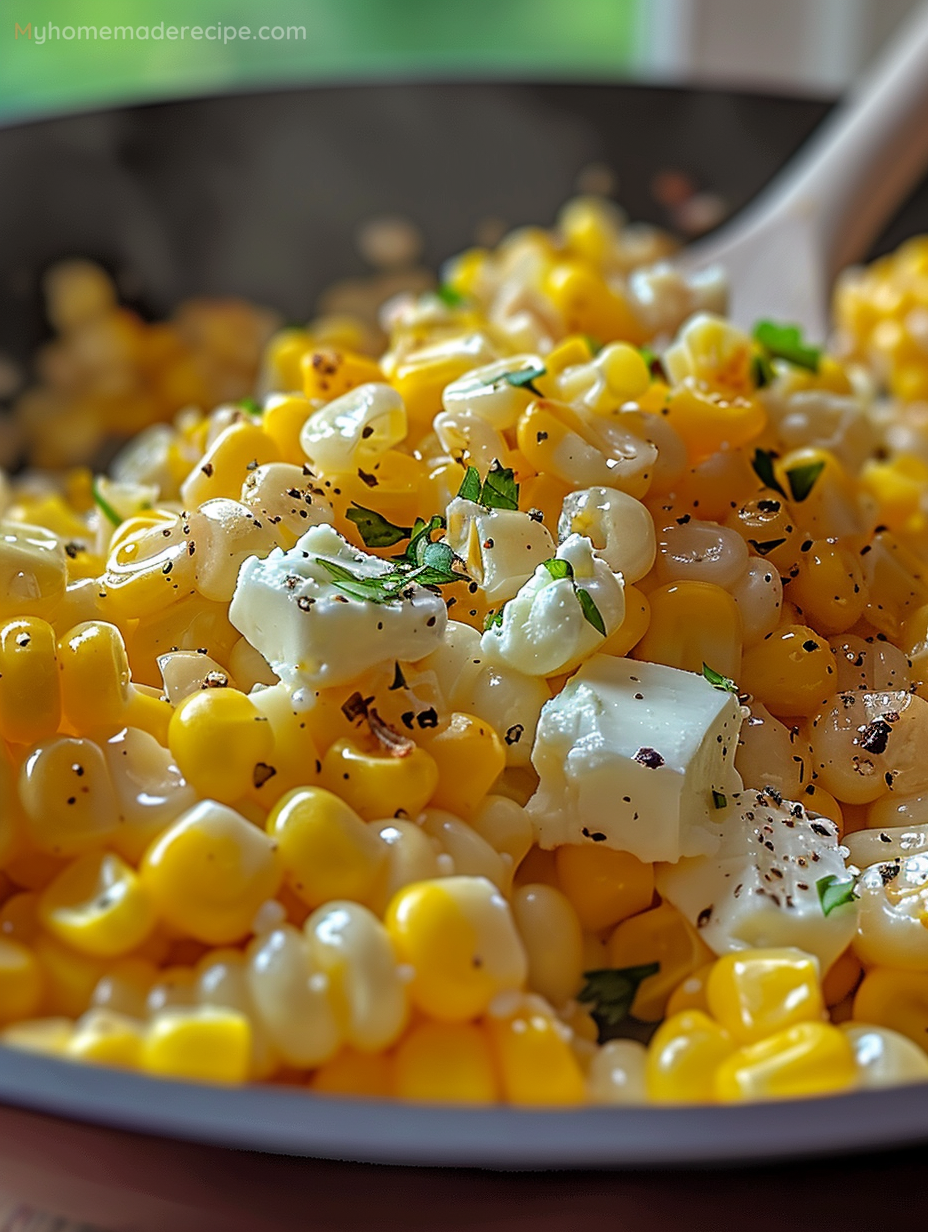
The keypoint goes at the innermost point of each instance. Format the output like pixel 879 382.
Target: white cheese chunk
pixel 314 634
pixel 761 887
pixel 629 754
pixel 500 547
pixel 354 429
pixel 545 629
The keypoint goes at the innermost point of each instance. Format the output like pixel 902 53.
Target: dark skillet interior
pixel 260 194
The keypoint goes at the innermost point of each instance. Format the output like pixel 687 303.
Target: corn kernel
pixel 894 999
pixel 222 743
pixel 33 571
pixel 604 886
pixel 536 1064
pixel 378 784
pixel 811 1058
pixel 459 937
pixel 95 690
pixel 589 305
pixel 329 373
pixel 283 420
pixel 223 468
pixel 69 976
pixel 553 940
pixel 30 695
pixel 198 1045
pixel 103 1037
pixel 21 981
pixel 97 905
pixel 692 623
pixel 367 1074
pixel 708 421
pixel 470 758
pixel 792 671
pixel 659 935
pixel 442 1062
pixel 147 569
pixel 755 993
pixel 67 797
pixel 210 872
pixel 683 1057
pixel 690 993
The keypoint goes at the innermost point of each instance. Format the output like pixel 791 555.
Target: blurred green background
pixel 345 40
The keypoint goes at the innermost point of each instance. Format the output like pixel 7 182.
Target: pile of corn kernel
pixel 335 873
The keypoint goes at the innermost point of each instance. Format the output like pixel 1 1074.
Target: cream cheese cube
pixel 760 888
pixel 629 754
pixel 311 632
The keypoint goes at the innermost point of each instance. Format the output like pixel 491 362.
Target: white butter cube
pixel 761 887
pixel 629 754
pixel 315 633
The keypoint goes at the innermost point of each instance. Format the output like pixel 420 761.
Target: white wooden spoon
pixel 822 211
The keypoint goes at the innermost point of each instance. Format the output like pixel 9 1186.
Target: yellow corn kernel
pixel 393 482
pixel 222 743
pixel 70 977
pixel 633 628
pixel 149 566
pixel 553 940
pixel 48 1036
pixel 459 937
pixel 210 872
pixel 756 993
pixel 325 849
pixel 447 1063
pixel 470 758
pixel 224 467
pixel 295 761
pixel 895 999
pixel 506 826
pixel 555 440
pixel 98 906
pixel 30 695
pixel 125 987
pixel 412 855
pixel 470 855
pixel 692 623
pixel 422 377
pixel 367 1074
pixel 816 799
pixel 149 711
pixel 604 886
pixel 329 373
pixel 104 1037
pixel 570 351
pixel 591 228
pixel 188 624
pixel 21 982
pixel 379 784
pixel 683 1056
pixel 206 1044
pixel 547 494
pixel 829 588
pixel 897 585
pixel 897 487
pixel 283 359
pixel 663 936
pixel 535 1061
pixel 33 570
pixel 67 797
pixel 589 305
pixel 792 671
pixel 463 272
pixel 95 690
pixel 283 420
pixel 811 1058
pixel 708 422
pixel 690 993
pixel 842 978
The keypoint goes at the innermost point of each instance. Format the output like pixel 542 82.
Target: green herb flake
pixel 104 505
pixel 558 568
pixel 719 799
pixel 593 343
pixel 524 378
pixel 786 342
pixel 374 529
pixel 610 992
pixel 833 893
pixel 420 537
pixel 717 680
pixel 762 372
pixel 494 620
pixel 802 479
pixel 450 297
pixel 471 488
pixel 763 468
pixel 251 405
pixel 591 612
pixel 500 490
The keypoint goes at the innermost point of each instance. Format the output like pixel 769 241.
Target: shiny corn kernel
pixel 894 999
pixel 21 981
pixel 95 689
pixel 223 468
pixel 283 420
pixel 792 671
pixel 535 1061
pixel 30 693
pixel 283 358
pixel 448 1063
pixel 692 623
pixel 198 1045
pixel 690 993
pixel 67 797
pixel 811 1058
pixel 460 940
pixel 468 853
pixel 325 849
pixel 104 1037
pixel 329 373
pixel 98 906
pixel 553 940
pixel 589 305
pixel 33 570
pixel 663 936
pixel 222 743
pixel 755 993
pixel 210 872
pixel 829 587
pixel 633 628
pixel 470 758
pixel 412 855
pixel 708 421
pixel 885 1058
pixel 293 999
pixel 149 566
pixel 604 886
pixel 380 784
pixel 683 1056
